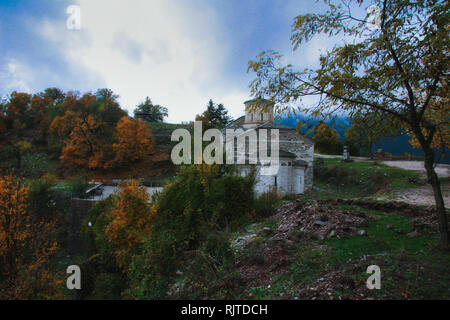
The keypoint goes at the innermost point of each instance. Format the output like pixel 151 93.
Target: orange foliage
pixel 25 245
pixel 134 140
pixel 88 147
pixel 84 148
pixel 131 221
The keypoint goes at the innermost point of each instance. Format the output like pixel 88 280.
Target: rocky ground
pixel 265 253
pixel 418 196
pixel 422 195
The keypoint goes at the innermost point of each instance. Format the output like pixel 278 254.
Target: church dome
pixel 257 112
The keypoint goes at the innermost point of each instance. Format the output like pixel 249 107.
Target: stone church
pixel 296 152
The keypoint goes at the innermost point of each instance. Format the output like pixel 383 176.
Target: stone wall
pixel 288 179
pixel 297 144
pixel 291 141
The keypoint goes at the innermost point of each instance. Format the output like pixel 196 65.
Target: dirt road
pixel 442 170
pixel 421 195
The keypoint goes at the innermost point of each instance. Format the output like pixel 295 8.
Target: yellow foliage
pixel 437 114
pixel 24 244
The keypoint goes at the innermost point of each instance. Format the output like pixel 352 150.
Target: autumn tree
pixel 438 114
pixel 397 64
pixel 149 112
pixel 369 129
pixel 89 124
pixel 130 222
pixel 26 243
pixel 134 141
pixel 326 138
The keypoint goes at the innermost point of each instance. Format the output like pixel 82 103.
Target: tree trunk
pixel 19 159
pixel 440 207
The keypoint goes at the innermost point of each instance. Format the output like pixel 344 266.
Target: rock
pixel 400 231
pixel 243 241
pixel 412 234
pixel 389 226
pixel 320 237
pixel 179 273
pixel 319 223
pixel 331 234
pixel 362 232
pixel 277 239
pixel 266 231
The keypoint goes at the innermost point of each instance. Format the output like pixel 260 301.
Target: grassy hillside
pixel 163 131
pixel 360 179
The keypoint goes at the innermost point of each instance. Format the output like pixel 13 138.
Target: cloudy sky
pixel 180 53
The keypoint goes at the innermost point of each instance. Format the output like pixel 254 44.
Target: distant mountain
pixel 341 123
pixel 397 146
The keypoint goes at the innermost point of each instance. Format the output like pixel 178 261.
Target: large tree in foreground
pixel 397 66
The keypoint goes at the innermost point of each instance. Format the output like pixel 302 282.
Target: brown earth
pixel 270 255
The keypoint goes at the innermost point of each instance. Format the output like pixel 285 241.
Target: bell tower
pixel 257 111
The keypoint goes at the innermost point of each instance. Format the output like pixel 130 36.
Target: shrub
pixel 34 164
pixel 202 200
pixel 265 205
pixel 99 252
pixel 108 286
pixel 78 186
pixel 50 205
pixel 209 271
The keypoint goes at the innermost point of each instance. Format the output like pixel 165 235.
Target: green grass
pixel 379 239
pixel 162 126
pixel 399 178
pixel 163 131
pixel 357 179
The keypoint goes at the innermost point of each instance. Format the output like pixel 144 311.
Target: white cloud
pixel 15 76
pixel 167 50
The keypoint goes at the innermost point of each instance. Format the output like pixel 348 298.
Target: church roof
pixel 256 100
pixel 286 154
pixel 275 125
pixel 236 123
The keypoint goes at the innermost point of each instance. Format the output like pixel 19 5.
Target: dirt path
pixel 418 196
pixel 442 170
pixel 422 195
